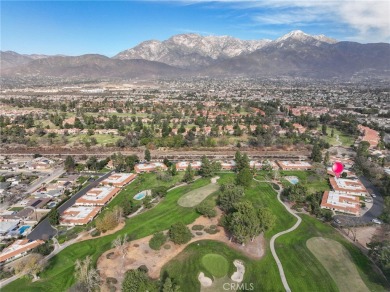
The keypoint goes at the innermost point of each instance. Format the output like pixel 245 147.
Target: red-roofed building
pixel 348 186
pixel 17 249
pixel 336 201
pixel 119 180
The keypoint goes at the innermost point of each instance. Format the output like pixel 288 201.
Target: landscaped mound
pixel 215 264
pixel 194 197
pixel 338 263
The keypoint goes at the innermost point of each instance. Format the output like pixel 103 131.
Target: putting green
pixel 194 197
pixel 215 264
pixel 337 262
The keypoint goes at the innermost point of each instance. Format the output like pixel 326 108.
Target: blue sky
pixel 80 27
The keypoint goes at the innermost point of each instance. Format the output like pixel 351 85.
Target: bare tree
pixel 118 211
pixel 121 244
pixel 32 265
pixel 87 276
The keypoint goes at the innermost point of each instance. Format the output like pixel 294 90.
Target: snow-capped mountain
pixel 191 50
pixel 295 54
pixel 299 35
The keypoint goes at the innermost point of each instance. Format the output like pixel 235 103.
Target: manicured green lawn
pixel 186 266
pixel 216 264
pixel 338 263
pixel 59 275
pixel 303 270
pixel 307 178
pixel 195 197
pixel 346 140
pixel 262 195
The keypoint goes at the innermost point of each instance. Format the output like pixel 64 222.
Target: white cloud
pixel 370 19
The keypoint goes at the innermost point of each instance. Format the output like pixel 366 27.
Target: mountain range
pixel 295 54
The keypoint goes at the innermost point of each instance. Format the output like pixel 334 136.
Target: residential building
pixel 294 165
pixel 119 180
pixel 182 165
pixel 337 201
pixel 18 248
pixel 150 167
pixel 228 165
pixel 98 196
pixel 79 215
pixel 348 186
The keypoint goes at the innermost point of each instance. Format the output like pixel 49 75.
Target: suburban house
pixel 348 186
pixel 17 249
pixel 98 196
pixel 336 201
pixel 119 180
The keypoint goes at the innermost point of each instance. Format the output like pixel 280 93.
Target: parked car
pixel 337 221
pixel 373 195
pixel 376 221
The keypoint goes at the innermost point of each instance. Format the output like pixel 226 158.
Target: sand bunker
pixel 238 276
pixel 204 281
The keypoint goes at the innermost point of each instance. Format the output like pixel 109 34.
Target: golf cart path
pixel 272 242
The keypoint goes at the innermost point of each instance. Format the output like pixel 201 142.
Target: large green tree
pixel 179 233
pixel 206 169
pixel 137 280
pixel 69 164
pixel 189 174
pixel 244 177
pixel 230 194
pixel 316 155
pixel 147 155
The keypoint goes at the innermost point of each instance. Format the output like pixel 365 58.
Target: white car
pixel 376 221
pixel 373 195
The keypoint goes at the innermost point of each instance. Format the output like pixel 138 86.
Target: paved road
pixel 45 179
pixel 44 230
pixel 374 212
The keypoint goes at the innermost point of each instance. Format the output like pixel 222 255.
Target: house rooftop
pixel 18 247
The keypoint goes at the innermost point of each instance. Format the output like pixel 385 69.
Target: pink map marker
pixel 337 168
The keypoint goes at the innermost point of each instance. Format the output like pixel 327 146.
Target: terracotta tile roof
pixel 18 247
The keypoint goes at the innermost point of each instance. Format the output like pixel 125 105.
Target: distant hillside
pixel 295 54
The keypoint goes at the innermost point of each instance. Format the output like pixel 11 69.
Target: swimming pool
pixel 292 179
pixel 140 196
pixel 23 228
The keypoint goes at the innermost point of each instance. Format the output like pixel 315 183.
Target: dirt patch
pixel 365 234
pixel 139 253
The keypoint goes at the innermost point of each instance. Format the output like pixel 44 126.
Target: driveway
pixel 44 230
pixel 374 212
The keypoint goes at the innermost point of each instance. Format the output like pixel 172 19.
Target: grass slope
pixel 195 197
pixel 305 272
pixel 337 262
